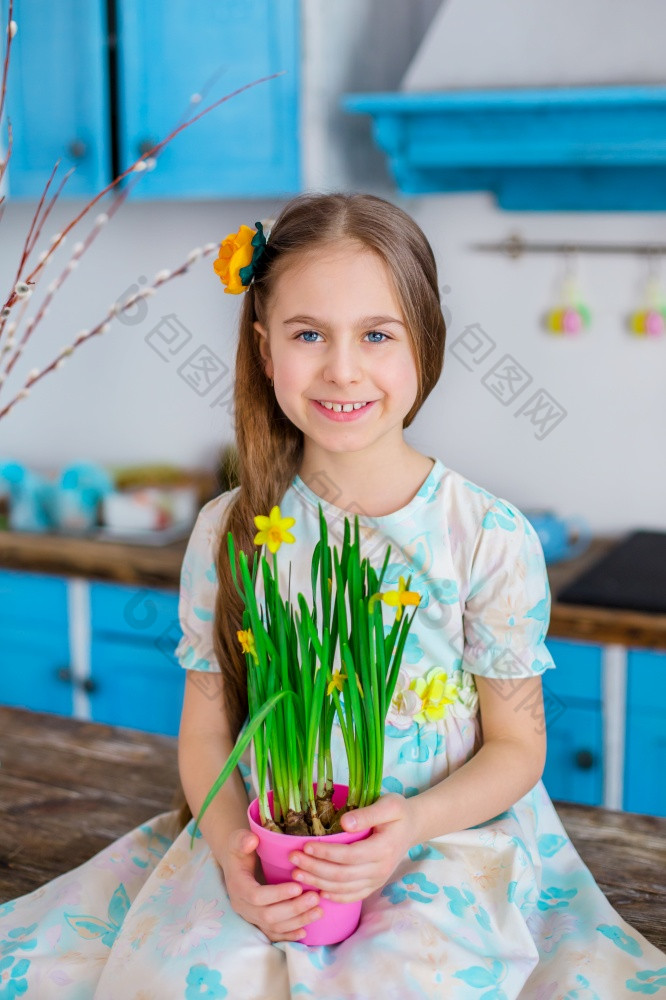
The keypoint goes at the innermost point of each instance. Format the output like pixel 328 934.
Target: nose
pixel 342 364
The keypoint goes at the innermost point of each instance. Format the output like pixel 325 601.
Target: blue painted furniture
pixel 248 146
pixel 124 672
pixel 57 97
pixel 138 681
pixel 34 642
pixel 645 761
pixel 573 700
pixel 61 102
pixel 547 149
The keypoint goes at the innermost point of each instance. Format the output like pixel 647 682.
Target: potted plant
pixel 294 692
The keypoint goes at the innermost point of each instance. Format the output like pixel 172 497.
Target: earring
pixel 271 382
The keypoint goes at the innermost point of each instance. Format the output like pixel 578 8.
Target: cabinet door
pixel 134 684
pixel 645 760
pixel 34 643
pixel 572 694
pixel 246 147
pixel 136 679
pixel 58 97
pixel 35 670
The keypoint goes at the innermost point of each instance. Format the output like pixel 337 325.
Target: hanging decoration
pixel 572 315
pixel 649 320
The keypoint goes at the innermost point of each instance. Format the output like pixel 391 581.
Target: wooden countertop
pixel 69 788
pixel 159 566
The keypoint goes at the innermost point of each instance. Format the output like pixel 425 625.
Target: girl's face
pixel 336 333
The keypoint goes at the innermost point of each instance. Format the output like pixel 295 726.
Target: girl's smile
pixel 347 412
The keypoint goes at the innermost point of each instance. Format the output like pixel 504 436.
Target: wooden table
pixel 68 788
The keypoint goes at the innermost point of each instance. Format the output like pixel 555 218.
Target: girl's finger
pixel 344 883
pixel 265 895
pixel 300 920
pixel 290 910
pixel 309 871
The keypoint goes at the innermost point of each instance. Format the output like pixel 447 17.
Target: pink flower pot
pixel 339 920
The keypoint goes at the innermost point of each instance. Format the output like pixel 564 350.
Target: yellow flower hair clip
pixel 239 255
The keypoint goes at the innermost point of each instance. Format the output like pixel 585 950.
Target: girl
pixel 470 885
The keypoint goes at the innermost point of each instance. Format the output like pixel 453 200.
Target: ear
pixel 264 349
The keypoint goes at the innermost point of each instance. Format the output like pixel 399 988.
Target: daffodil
pixel 337 682
pixel 400 598
pixel 273 529
pixel 246 640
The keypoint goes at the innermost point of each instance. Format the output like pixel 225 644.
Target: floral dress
pixel 502 910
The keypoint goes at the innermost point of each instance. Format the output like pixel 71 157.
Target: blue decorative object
pixel 597 148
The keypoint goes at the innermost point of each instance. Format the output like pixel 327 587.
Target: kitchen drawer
pixel 646 680
pixel 140 686
pixel 135 613
pixel 35 669
pixel 33 599
pixel 578 670
pixel 645 763
pixel 574 759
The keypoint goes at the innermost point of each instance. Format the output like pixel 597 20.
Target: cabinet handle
pixel 584 759
pixel 77 149
pixel 88 684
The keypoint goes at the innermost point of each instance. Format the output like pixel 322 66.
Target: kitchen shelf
pixel 588 148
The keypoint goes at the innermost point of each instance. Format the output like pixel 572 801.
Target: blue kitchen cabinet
pixel 645 760
pixel 58 97
pixel 88 79
pixel 34 643
pixel 35 669
pixel 247 146
pixel 106 653
pixel 573 702
pixel 135 685
pixel 136 678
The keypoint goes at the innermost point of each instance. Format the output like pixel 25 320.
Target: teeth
pixel 342 408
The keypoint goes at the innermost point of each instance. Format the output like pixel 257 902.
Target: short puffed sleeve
pixel 198 588
pixel 507 609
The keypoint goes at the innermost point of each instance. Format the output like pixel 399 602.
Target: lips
pixel 341 415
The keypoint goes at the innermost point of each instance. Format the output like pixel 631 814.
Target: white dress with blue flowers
pixel 503 910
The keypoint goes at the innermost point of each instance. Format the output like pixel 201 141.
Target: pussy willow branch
pixel 137 166
pixel 160 279
pixel 79 249
pixel 22 289
pixel 3 91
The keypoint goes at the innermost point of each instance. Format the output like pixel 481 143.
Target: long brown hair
pixel 269 446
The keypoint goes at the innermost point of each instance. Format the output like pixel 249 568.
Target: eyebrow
pixel 365 321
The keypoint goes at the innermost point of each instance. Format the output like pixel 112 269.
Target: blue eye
pixel 378 333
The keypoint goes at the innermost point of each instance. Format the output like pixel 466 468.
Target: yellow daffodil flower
pixel 436 692
pixel 337 682
pixel 400 598
pixel 246 640
pixel 273 529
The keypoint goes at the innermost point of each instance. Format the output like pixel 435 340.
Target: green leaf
pixel 237 753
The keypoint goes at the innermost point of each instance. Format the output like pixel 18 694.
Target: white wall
pixel 530 43
pixel 117 401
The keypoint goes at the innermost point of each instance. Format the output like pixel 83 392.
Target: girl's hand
pixel 349 872
pixel 280 911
